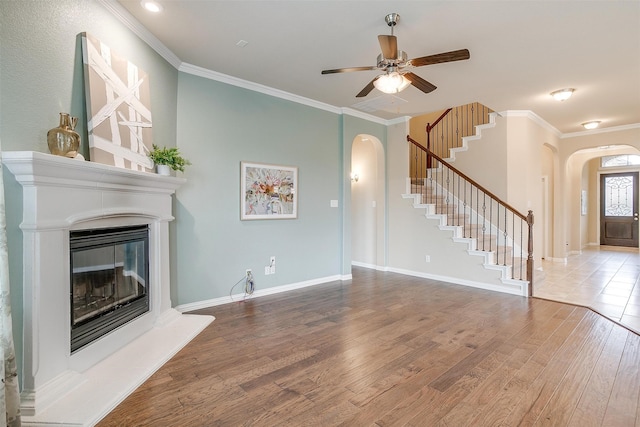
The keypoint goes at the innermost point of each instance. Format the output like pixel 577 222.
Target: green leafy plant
pixel 168 156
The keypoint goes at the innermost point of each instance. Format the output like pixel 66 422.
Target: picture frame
pixel 268 191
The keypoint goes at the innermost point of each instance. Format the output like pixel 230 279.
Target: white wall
pixel 574 152
pixel 486 159
pixel 364 200
pixel 585 166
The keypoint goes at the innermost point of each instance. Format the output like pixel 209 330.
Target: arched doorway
pixel 584 212
pixel 367 202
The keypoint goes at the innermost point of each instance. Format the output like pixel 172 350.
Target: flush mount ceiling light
pixel 562 94
pixel 151 6
pixel 592 124
pixel 393 82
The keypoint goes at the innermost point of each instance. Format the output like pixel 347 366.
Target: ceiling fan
pixel 395 65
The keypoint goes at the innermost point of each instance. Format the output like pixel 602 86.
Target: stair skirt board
pixel 511 286
pixel 508 288
pixel 431 212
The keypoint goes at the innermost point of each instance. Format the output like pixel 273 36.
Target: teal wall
pixel 41 76
pixel 218 127
pixel 41 70
pixel 214 124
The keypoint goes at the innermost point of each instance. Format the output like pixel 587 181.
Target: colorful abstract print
pixel 269 191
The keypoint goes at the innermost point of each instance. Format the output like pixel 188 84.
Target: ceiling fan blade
pixel 389 46
pixel 367 89
pixel 420 83
pixel 454 55
pixel 346 70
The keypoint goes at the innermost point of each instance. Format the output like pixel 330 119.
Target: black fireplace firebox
pixel 109 280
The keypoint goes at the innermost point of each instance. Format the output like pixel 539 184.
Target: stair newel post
pixel 530 255
pixel 428 129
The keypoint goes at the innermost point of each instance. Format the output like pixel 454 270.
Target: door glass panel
pixel 618 195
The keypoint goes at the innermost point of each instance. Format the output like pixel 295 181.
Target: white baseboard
pixel 371 266
pixel 513 289
pixel 562 260
pixel 183 308
pixel 507 288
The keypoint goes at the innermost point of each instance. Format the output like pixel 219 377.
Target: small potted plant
pixel 167 158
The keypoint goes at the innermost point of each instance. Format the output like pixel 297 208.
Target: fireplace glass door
pixel 109 280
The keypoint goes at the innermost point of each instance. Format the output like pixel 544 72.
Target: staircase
pixel 473 216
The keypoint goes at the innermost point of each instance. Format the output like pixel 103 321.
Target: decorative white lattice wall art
pixel 118 107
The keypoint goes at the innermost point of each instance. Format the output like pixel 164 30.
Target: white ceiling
pixel 520 51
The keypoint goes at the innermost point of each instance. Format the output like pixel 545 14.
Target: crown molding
pixel 362 115
pixel 256 87
pixel 602 130
pixel 138 29
pixel 134 25
pixel 398 120
pixel 534 117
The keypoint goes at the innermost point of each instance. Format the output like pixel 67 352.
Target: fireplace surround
pixel 62 197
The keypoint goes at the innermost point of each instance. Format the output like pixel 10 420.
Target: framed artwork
pixel 268 191
pixel 118 107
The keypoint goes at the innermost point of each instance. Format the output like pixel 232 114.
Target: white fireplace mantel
pixel 58 195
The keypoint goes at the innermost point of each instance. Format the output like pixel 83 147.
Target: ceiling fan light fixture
pixel 393 82
pixel 591 125
pixel 562 94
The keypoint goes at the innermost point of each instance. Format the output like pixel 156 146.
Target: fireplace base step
pixel 108 383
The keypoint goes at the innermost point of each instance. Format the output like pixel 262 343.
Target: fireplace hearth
pixel 65 204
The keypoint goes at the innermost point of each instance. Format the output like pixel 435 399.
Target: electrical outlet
pixel 272 265
pixel 267 270
pixel 248 272
pixel 427 258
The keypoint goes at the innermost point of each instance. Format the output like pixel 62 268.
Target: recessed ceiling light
pixel 592 124
pixel 562 94
pixel 151 6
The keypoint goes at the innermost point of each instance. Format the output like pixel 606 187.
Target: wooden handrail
pixel 438 120
pixel 452 130
pixel 470 180
pixel 430 127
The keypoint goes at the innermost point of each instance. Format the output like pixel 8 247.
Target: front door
pixel 619 209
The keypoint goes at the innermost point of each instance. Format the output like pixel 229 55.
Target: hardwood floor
pixel 390 350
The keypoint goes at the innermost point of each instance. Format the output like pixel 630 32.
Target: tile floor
pixel 604 278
